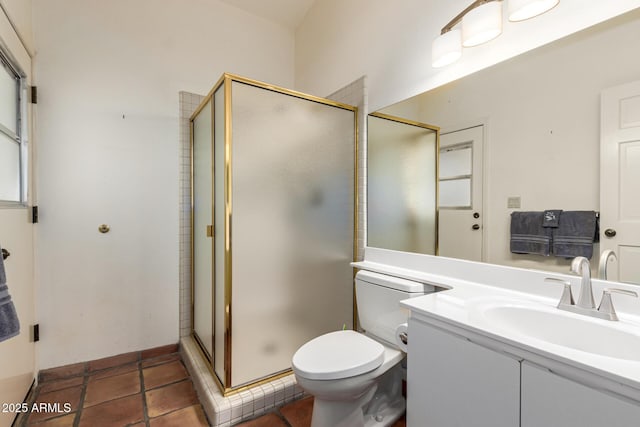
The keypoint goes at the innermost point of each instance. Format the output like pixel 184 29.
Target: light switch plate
pixel 513 202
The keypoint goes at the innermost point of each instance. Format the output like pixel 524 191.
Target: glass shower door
pixel 202 220
pixel 274 185
pixel 293 226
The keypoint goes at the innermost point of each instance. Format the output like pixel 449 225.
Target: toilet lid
pixel 337 355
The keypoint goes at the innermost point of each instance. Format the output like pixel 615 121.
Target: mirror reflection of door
pixel 620 180
pixel 460 222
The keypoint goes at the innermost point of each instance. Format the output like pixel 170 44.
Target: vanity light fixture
pixel 481 22
pixel 519 10
pixel 447 48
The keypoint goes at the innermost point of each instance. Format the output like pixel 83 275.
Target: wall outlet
pixel 513 202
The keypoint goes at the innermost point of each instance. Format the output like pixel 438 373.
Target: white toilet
pixel 356 378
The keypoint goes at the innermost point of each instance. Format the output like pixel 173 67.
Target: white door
pixel 620 179
pixel 460 220
pixel 17 354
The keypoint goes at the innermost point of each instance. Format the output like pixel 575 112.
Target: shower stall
pixel 273 226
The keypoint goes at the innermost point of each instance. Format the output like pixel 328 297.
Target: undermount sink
pixel 537 321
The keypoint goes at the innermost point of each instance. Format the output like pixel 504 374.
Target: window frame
pixel 19 136
pixel 461 146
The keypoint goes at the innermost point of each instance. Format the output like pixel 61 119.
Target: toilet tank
pixel 378 299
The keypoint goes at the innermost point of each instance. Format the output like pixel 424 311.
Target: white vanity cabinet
pixel 452 382
pixel 551 400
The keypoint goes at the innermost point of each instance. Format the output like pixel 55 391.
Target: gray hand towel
pixel 576 232
pixel 552 218
pixel 9 324
pixel 528 236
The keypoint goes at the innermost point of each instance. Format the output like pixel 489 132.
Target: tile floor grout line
pixel 281 415
pixel 83 393
pixel 143 389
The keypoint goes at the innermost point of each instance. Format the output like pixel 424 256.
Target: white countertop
pixel 461 306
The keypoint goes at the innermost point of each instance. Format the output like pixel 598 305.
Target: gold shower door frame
pixel 225 83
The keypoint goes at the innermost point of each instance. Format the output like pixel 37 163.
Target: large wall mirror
pixel 525 134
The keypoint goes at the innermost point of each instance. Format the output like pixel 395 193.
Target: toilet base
pixel 380 406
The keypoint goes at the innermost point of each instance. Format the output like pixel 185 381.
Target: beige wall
pixel 542 134
pixel 109 74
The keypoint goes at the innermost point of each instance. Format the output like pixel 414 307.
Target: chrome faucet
pixel 580 266
pixel 586 304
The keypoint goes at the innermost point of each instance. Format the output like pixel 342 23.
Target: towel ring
pixel 5 254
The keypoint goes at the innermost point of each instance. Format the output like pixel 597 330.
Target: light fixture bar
pixel 481 22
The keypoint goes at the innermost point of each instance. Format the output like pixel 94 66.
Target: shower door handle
pixel 209 230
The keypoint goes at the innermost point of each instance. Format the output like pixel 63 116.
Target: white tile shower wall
pixel 188 104
pixel 355 93
pixel 226 411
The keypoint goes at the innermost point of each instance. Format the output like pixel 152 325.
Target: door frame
pixel 612 136
pixel 468 124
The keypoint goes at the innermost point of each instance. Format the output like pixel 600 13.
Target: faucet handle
pixel 606 305
pixel 567 295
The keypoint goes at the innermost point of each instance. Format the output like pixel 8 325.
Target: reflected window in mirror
pixel 455 176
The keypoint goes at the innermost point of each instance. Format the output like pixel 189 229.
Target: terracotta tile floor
pixel 150 388
pixel 295 414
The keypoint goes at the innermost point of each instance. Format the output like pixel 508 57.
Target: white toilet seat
pixel 338 355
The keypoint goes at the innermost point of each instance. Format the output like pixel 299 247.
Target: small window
pixel 455 176
pixel 13 151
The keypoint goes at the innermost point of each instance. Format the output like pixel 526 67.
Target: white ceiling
pixel 289 13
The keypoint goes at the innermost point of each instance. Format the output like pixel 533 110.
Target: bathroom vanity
pixel 493 349
pixel 458 379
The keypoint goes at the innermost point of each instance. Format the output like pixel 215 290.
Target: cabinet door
pixel 452 382
pixel 551 400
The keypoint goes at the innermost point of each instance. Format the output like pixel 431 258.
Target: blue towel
pixel 9 324
pixel 575 235
pixel 528 236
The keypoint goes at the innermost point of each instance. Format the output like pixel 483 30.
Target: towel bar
pixel 5 254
